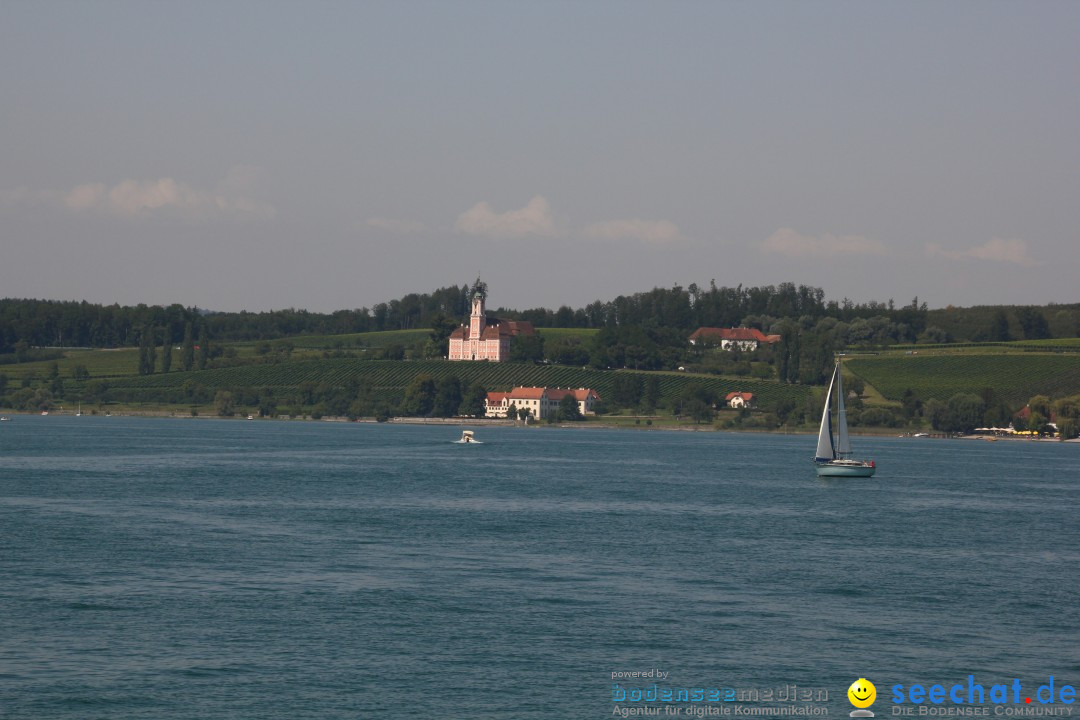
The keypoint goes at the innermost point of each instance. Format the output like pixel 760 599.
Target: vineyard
pixel 1014 378
pixel 390 378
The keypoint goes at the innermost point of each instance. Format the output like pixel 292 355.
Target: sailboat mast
pixel 843 445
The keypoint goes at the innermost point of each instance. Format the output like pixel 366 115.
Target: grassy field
pixel 99 363
pixel 350 341
pixel 1014 377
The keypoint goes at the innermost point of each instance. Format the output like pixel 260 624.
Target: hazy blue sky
pixel 261 155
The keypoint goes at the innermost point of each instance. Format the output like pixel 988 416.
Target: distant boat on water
pixel 833 451
pixel 468 437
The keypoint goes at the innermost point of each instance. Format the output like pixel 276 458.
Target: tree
pixel 474 401
pixel 419 399
pixel 447 397
pixel 146 351
pixel 511 412
pixel 267 402
pixel 784 407
pixel 627 389
pixel 699 410
pixel 204 348
pixel 224 403
pixel 527 348
pixel 964 412
pixel 187 350
pixel 568 408
pixel 441 327
pixel 1033 322
pixel 1040 404
pixel 999 327
pixel 166 349
pixel 936 412
pixel 911 404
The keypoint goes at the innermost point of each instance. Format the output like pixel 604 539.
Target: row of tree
pixel 192 356
pixel 47 323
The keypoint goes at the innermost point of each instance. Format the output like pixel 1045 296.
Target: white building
pixel 540 402
pixel 730 338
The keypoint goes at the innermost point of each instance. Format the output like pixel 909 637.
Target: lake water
pixel 177 568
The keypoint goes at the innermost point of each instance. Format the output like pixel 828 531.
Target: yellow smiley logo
pixel 862 693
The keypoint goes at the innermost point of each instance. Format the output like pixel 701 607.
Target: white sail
pixel 843 445
pixel 824 438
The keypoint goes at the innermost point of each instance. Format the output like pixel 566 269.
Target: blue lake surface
pixel 178 568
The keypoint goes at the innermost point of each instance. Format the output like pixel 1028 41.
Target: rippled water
pixel 212 569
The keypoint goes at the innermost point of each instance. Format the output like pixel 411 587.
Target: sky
pixel 328 155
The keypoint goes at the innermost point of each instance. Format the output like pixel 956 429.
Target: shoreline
pixel 501 422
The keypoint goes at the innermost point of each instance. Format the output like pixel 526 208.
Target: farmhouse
pixel 730 338
pixel 540 402
pixel 739 399
pixel 485 338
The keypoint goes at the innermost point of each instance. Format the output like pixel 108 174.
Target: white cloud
pixel 996 250
pixel 533 219
pixel 133 198
pixel 397 226
pixel 656 232
pixel 786 241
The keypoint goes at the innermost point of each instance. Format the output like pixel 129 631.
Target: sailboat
pixel 833 451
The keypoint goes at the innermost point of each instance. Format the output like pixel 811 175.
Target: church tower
pixel 476 320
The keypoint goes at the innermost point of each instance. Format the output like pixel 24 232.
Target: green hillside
pixel 390 378
pixel 1014 377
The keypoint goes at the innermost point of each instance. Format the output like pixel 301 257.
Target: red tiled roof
pixel 528 393
pixel 1025 414
pixel 747 397
pixel 496 398
pixel 737 334
pixel 520 327
pixel 494 328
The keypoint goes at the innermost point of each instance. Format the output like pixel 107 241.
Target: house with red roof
pixel 541 402
pixel 739 399
pixel 730 338
pixel 485 338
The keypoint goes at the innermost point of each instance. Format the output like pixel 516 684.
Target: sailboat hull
pixel 845 468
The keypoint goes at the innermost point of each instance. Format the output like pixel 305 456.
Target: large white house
pixel 485 338
pixel 730 338
pixel 540 402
